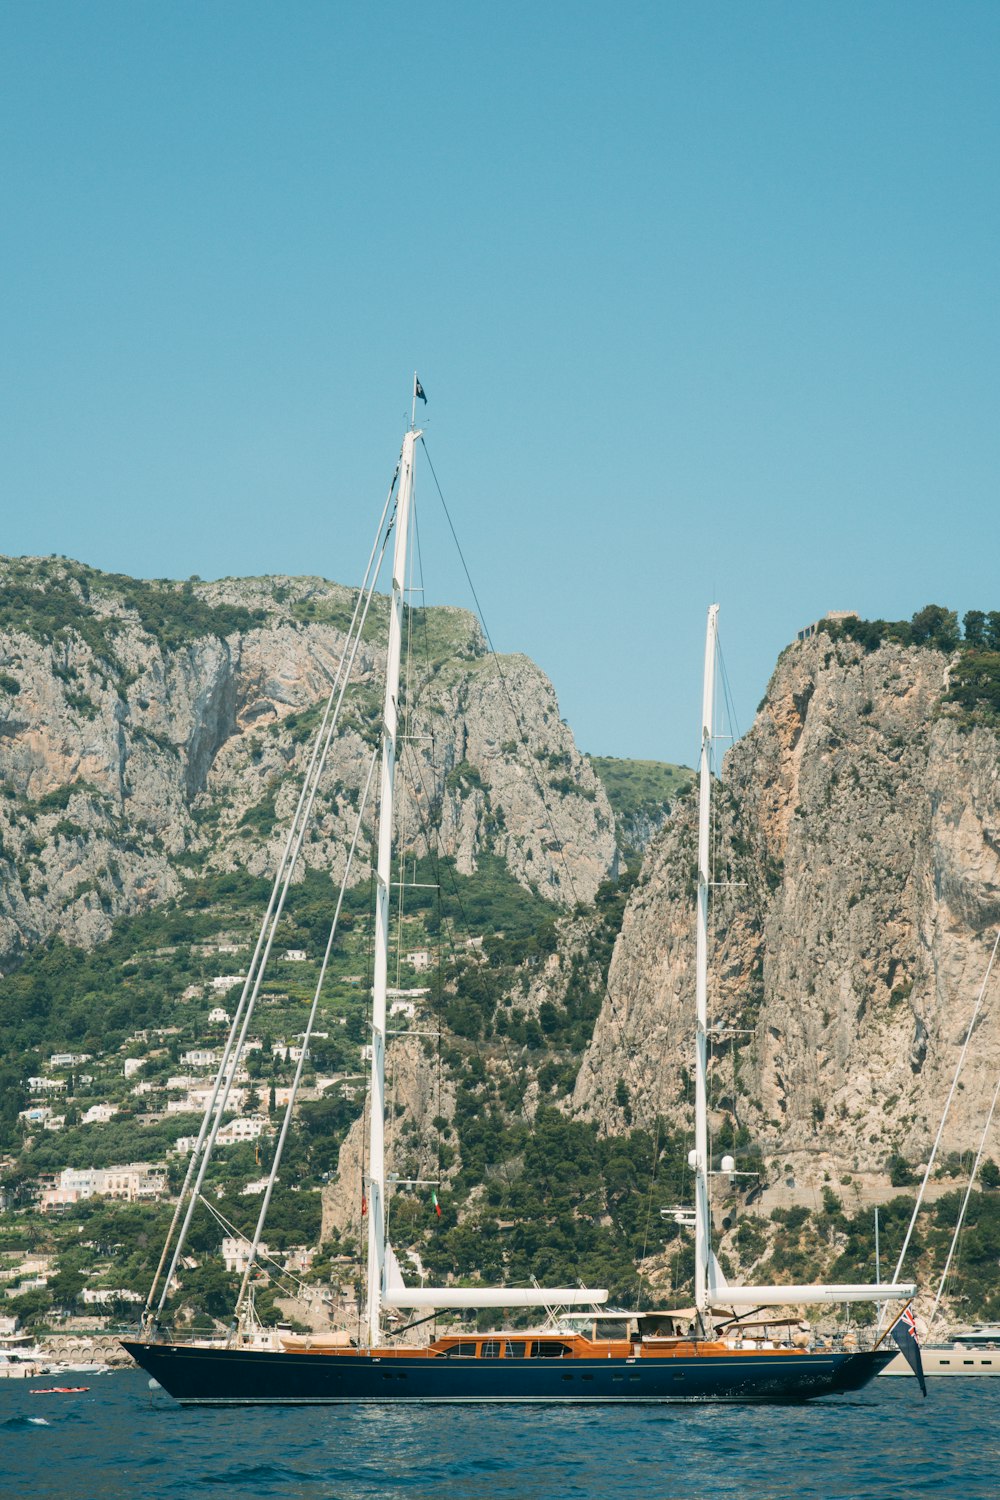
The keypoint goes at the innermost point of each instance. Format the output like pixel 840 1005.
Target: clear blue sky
pixel 704 297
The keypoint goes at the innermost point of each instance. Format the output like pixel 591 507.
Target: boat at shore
pixel 726 1347
pixel 23 1367
pixel 22 1359
pixel 973 1352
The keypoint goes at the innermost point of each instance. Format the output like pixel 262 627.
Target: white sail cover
pixel 396 1293
pixel 782 1296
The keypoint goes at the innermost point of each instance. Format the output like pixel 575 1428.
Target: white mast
pixel 390 716
pixel 705 1289
pixel 702 1231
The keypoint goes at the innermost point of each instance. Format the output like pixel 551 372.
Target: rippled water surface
pixel 121 1439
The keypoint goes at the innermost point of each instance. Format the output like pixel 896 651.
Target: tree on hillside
pixel 935 626
pixel 974 625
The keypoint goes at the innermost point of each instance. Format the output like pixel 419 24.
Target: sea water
pixel 121 1439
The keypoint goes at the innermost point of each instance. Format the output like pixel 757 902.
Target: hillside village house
pixel 286 1053
pixel 244 1128
pixel 135 1183
pixel 236 1252
pixel 201 1057
pixel 197 1099
pixel 99 1114
pixel 105 1296
pixel 32 1272
pixel 224 982
pixel 419 959
pixel 40 1114
pixel 210 1057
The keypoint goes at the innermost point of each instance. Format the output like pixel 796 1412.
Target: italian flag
pixel 434 1200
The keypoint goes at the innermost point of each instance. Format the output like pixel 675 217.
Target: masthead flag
pixel 904 1332
pixel 418 391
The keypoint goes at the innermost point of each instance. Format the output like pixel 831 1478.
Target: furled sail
pixel 396 1293
pixel 782 1296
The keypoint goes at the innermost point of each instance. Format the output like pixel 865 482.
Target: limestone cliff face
pixel 860 828
pixel 416 1084
pixel 133 750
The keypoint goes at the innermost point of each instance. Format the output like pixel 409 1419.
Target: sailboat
pixel 723 1349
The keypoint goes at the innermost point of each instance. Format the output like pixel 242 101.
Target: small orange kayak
pixel 59 1390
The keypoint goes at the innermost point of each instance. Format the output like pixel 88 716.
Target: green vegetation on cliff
pixel 565 1205
pixel 641 793
pixel 974 681
pixel 53 599
pixel 132 995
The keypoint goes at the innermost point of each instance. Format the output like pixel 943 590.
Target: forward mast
pixel 383 877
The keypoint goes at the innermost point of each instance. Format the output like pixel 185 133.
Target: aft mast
pixel 390 723
pixel 705 1288
pixel 702 1232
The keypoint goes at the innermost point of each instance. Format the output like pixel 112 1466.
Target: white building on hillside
pixel 135 1183
pixel 243 1128
pixel 201 1057
pixel 104 1296
pixel 36 1115
pixel 236 1252
pixel 99 1114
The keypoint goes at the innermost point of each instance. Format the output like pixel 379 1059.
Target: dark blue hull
pixel 243 1377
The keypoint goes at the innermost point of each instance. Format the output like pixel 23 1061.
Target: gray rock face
pixel 124 750
pixel 860 828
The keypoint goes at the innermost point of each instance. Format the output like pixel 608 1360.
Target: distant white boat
pixel 974 1353
pixel 22 1363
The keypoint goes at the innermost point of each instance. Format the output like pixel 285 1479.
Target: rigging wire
pixel 628 1049
pixel 362 1257
pixel 264 1255
pixel 215 1107
pixel 433 848
pixel 951 1094
pixel 965 1203
pixel 294 845
pixel 306 1038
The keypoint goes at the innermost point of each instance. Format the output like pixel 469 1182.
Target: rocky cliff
pixel 151 729
pixel 857 839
